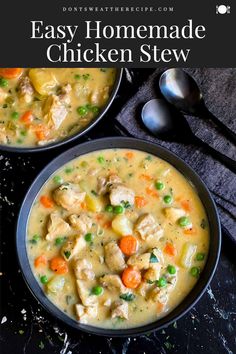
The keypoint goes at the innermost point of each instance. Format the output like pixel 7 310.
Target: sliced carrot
pixel 59 265
pixel 27 117
pixel 170 249
pixel 191 231
pixel 185 204
pixel 160 307
pixel 140 202
pixel 145 177
pixel 152 192
pixel 129 155
pixel 46 201
pixel 131 278
pixel 83 205
pixel 10 73
pixel 99 217
pixel 128 245
pixel 40 135
pixel 40 261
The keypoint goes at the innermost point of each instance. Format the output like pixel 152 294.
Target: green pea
pixel 184 221
pixel 23 132
pixel 77 77
pixel 19 141
pixel 82 110
pixel 15 115
pixel 109 208
pixel 118 209
pixel 59 241
pixel 97 290
pixel 89 237
pixel 58 179
pixel 35 239
pixel 44 279
pixel 168 199
pixel 161 283
pixel 171 269
pixel 95 109
pixel 159 186
pixel 200 256
pixel 101 159
pixel 68 170
pixel 3 82
pixel 195 271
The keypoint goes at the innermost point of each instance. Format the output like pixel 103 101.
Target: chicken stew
pixel 117 238
pixel 40 106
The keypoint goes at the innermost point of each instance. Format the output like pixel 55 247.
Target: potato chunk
pixel 122 225
pixel 43 80
pixel 187 254
pixel 114 258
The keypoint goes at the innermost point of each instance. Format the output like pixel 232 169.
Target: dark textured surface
pixel 219 90
pixel 210 327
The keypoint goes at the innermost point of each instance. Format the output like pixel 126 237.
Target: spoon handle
pixel 224 129
pixel 227 161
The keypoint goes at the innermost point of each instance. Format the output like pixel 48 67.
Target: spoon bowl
pixel 167 123
pixel 181 90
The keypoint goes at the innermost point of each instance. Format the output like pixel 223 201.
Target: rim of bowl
pixel 121 143
pixel 70 138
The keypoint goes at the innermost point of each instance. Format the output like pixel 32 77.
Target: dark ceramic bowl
pixel 70 138
pixel 130 143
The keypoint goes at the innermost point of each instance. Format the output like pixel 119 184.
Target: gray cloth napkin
pixel 219 91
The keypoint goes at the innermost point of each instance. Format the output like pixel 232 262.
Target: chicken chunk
pixel 105 183
pixel 72 247
pixel 54 111
pixel 83 269
pixel 82 222
pixel 56 226
pixel 143 288
pixel 140 261
pixel 173 214
pixel 26 90
pixel 114 257
pixel 147 227
pixel 69 196
pixel 159 295
pixel 84 294
pixel 120 309
pixel 112 282
pixel 84 312
pixel 119 193
pixel 64 95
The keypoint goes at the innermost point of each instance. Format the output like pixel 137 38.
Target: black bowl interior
pixel 130 143
pixel 77 135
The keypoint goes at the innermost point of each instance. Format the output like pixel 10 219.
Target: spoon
pixel 166 123
pixel 181 90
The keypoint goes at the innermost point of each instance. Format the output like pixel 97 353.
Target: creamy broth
pixel 41 105
pixel 122 213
